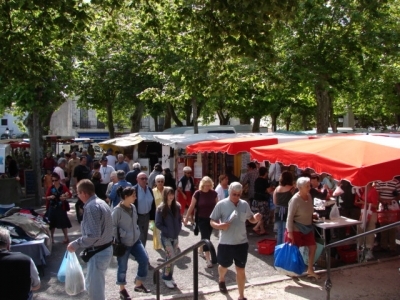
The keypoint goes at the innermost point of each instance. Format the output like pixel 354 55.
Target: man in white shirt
pixel 274 173
pixel 105 171
pixel 111 158
pixel 60 170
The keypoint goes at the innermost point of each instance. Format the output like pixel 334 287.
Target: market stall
pixel 359 159
pixel 234 152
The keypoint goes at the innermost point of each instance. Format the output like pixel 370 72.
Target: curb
pixel 263 281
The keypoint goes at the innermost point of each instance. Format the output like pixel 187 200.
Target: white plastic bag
pixel 74 280
pixel 334 214
pixel 394 205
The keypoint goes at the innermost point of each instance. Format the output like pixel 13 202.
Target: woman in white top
pixel 222 187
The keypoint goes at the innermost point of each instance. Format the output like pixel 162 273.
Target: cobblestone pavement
pixel 259 271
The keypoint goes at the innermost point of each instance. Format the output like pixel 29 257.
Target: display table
pixel 35 249
pixel 337 223
pixel 330 224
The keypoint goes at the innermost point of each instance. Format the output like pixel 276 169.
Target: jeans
pixel 281 226
pixel 140 254
pixel 95 276
pixel 170 247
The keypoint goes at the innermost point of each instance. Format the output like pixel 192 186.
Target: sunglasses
pixel 143 178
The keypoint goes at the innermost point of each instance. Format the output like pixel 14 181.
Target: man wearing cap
pixel 105 171
pixel 131 176
pixel 185 188
pixel 121 164
pixel 115 199
pixel 145 206
pixel 60 170
pixel 18 276
pixel 111 158
pixel 156 171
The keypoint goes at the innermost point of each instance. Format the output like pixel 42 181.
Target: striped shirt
pixel 97 226
pixel 387 189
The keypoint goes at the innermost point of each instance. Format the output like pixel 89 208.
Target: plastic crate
pixel 348 256
pixel 266 246
pixel 388 216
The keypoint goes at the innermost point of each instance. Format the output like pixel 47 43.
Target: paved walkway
pixel 261 275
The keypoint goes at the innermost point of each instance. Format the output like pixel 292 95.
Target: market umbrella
pixel 240 144
pixel 358 159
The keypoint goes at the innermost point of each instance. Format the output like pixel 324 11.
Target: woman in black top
pixel 169 179
pixel 261 202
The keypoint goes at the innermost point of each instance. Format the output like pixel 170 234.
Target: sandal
pixel 66 241
pixel 313 276
pixel 201 254
pixel 256 230
pixel 209 264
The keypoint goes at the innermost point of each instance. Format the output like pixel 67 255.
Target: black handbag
pixel 118 248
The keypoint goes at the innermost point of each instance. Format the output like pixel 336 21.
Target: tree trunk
pixel 136 117
pixel 323 100
pixel 223 120
pixel 110 120
pixel 256 124
pixel 304 122
pixel 332 120
pixel 36 157
pixel 195 125
pixel 273 122
pixel 155 118
pixel 288 120
pixel 174 116
pixel 167 120
pixel 188 113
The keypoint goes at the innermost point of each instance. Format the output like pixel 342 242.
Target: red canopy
pixel 358 159
pixel 240 144
pixel 20 145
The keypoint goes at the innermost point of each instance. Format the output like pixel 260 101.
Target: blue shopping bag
pixel 288 260
pixel 63 267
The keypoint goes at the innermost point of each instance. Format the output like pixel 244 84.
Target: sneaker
pixel 141 289
pixel 222 287
pixel 369 255
pixel 169 284
pixel 123 295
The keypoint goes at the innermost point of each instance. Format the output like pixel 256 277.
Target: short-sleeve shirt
pixel 236 234
pixel 105 174
pixel 60 172
pixel 111 160
pixel 386 189
pixel 206 202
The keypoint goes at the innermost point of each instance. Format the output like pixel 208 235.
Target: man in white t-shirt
pixel 111 158
pixel 60 170
pixel 105 171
